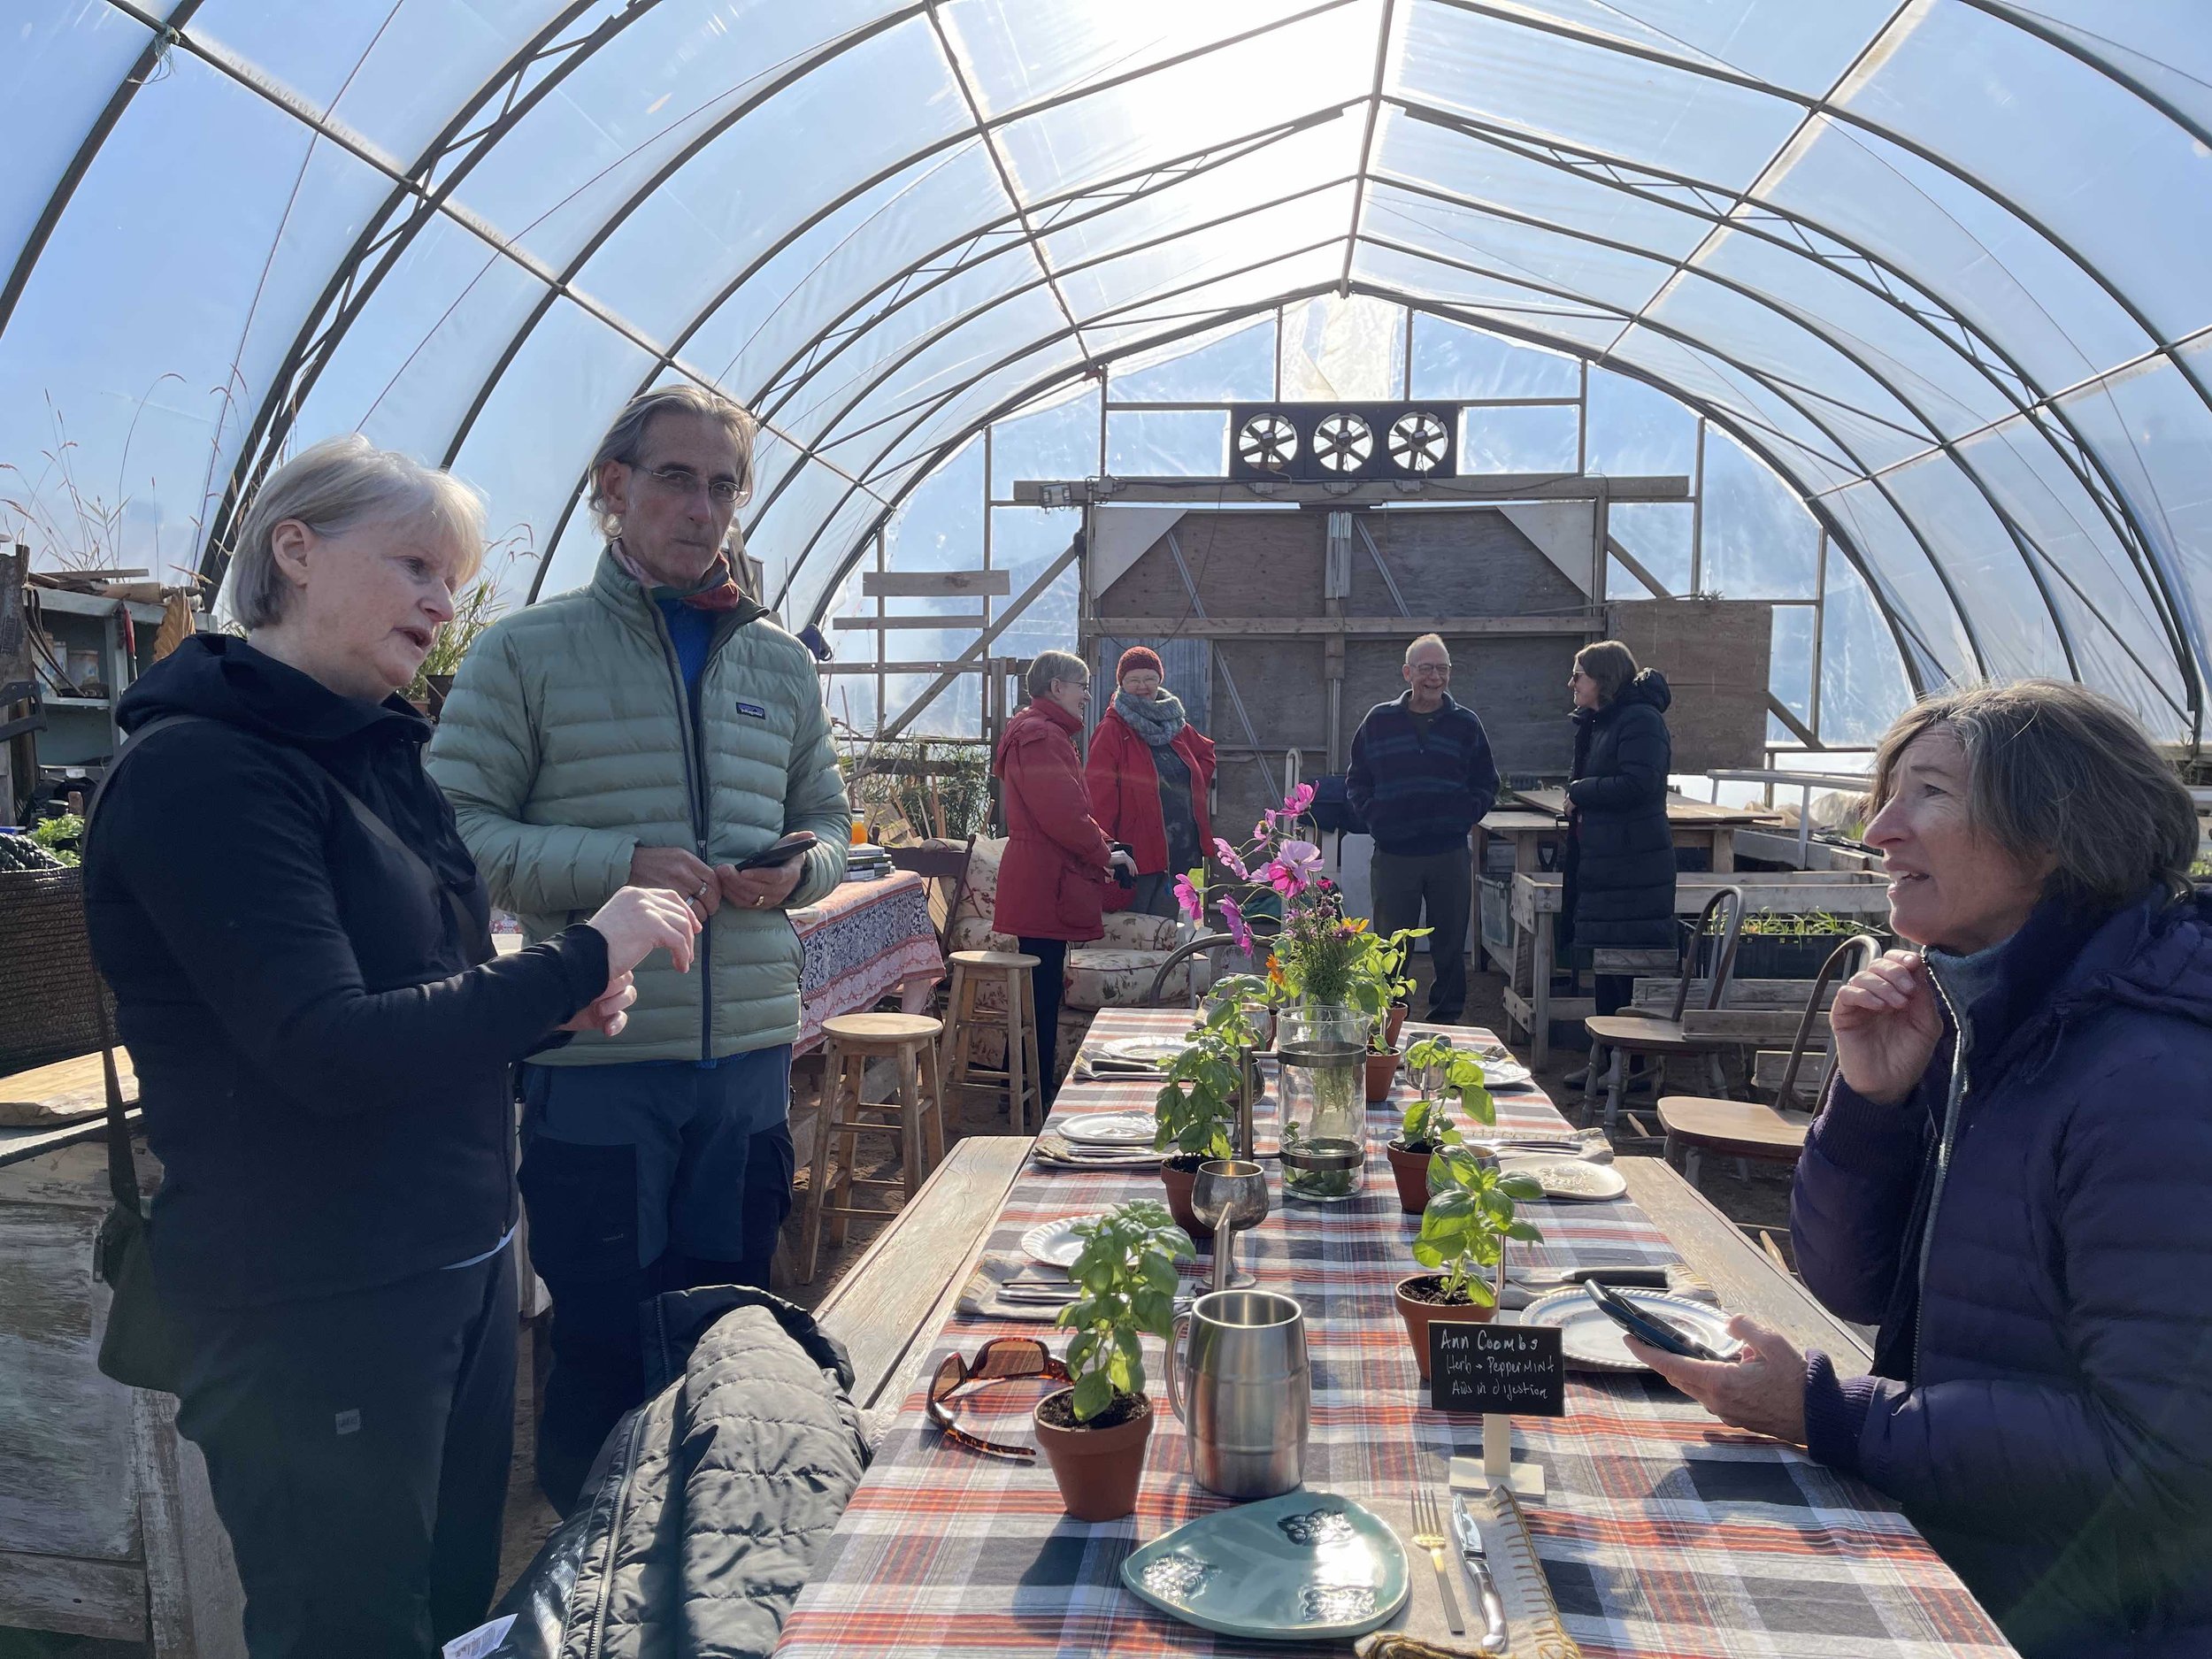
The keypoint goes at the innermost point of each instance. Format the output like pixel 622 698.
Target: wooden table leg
pixel 1539 994
pixel 1724 859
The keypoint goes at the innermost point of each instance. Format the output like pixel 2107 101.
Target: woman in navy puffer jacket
pixel 2012 1177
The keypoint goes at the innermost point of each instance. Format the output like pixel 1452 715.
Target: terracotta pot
pixel 1179 1183
pixel 1382 1072
pixel 1419 1316
pixel 1411 1171
pixel 1398 1012
pixel 1098 1469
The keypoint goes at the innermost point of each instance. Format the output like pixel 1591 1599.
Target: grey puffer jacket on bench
pixel 710 1502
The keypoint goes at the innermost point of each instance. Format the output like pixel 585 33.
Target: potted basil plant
pixel 1200 1101
pixel 1093 1431
pixel 1462 1240
pixel 1446 1073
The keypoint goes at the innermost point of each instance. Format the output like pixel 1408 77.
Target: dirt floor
pixel 1760 1203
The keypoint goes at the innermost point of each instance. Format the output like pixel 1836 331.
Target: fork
pixel 1428 1534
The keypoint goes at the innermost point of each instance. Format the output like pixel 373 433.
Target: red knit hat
pixel 1139 656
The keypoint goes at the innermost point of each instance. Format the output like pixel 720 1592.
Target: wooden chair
pixel 1745 1130
pixel 1623 1034
pixel 1018 1077
pixel 915 1115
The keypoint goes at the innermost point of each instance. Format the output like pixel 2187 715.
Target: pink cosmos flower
pixel 1192 899
pixel 1295 866
pixel 1239 929
pixel 1298 800
pixel 1229 861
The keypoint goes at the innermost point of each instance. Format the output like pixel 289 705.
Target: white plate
pixel 1160 1051
pixel 1505 1073
pixel 1591 1341
pixel 1568 1177
pixel 1054 1243
pixel 1111 1129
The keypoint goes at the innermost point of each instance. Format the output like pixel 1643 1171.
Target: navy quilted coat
pixel 2042 1398
pixel 1620 859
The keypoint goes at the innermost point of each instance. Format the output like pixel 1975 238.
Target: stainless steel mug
pixel 1243 1390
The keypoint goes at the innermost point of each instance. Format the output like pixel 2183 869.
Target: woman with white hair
pixel 298 944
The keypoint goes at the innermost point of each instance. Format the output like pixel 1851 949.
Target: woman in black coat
pixel 302 971
pixel 1620 851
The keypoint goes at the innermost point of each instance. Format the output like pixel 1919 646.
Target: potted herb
pixel 1194 1113
pixel 1463 1237
pixel 1378 982
pixel 1093 1433
pixel 1445 1074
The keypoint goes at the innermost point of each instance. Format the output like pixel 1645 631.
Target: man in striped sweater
pixel 1422 777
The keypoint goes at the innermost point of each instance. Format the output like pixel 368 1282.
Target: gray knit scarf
pixel 1156 719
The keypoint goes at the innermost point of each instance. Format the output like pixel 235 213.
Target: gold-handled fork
pixel 1428 1534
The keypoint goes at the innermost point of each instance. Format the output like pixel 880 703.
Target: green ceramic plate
pixel 1304 1567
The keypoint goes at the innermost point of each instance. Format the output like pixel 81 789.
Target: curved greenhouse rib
pixel 2078 456
pixel 621 213
pixel 1943 577
pixel 161 35
pixel 347 293
pixel 1911 649
pixel 1847 116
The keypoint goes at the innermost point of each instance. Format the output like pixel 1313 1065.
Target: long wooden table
pixel 1664 1535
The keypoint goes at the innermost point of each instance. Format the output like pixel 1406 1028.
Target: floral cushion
pixel 1126 930
pixel 971 928
pixel 1119 978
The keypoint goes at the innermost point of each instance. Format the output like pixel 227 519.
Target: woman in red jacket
pixel 1149 775
pixel 1051 882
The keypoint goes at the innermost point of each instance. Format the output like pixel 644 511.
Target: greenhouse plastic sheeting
pixel 1942 265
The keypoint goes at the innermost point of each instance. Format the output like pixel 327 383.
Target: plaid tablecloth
pixel 1664 1533
pixel 860 942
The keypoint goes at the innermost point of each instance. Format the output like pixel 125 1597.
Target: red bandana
pixel 717 591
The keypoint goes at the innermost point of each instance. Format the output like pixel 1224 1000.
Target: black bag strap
pixel 122 1167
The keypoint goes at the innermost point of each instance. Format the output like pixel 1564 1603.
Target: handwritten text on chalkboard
pixel 1515 1370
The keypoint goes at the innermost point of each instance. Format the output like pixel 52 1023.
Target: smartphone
pixel 1646 1327
pixel 782 852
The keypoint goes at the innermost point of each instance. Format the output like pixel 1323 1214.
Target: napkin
pixel 1532 1616
pixel 1057 1151
pixel 979 1297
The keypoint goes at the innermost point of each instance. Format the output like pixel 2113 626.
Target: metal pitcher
pixel 1246 1399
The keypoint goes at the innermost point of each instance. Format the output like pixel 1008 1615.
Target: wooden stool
pixel 971 971
pixel 917 1117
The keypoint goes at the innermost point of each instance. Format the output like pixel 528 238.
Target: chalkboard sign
pixel 1514 1370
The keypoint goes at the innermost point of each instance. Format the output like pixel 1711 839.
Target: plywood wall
pixel 1714 654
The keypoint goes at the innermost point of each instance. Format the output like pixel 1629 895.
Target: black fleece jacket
pixel 321 1042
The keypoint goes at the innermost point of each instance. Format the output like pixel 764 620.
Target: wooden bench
pixel 1742 1275
pixel 890 1307
pixel 106 1526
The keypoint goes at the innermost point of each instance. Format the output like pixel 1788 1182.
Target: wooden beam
pixel 1217 492
pixel 1028 597
pixel 1191 627
pixel 1791 724
pixel 935 584
pixel 1630 564
pixel 951 619
pixel 937 666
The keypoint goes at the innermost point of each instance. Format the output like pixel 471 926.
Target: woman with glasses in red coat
pixel 1149 774
pixel 1051 882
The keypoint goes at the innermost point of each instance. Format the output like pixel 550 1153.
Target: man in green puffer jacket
pixel 653 728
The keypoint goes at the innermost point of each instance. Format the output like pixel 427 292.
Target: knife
pixel 1494 1636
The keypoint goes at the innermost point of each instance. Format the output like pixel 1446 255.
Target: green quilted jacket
pixel 568 742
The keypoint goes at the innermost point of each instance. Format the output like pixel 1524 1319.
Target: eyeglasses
pixel 681 480
pixel 1431 668
pixel 1001 1359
